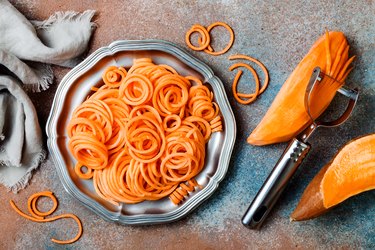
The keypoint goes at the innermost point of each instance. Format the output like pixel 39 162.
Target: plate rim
pixel 189 60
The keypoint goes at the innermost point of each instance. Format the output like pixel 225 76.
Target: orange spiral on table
pixel 38 216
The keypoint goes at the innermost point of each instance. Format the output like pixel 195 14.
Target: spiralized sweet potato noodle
pixel 258 90
pixel 205 38
pixel 38 216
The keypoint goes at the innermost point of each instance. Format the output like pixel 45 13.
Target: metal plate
pixel 74 89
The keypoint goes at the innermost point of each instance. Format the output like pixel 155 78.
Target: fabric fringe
pixel 45 72
pixel 24 181
pixel 46 80
pixel 45 75
pixel 71 16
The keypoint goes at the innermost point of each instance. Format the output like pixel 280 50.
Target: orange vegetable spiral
pixel 171 94
pixel 113 76
pixel 200 103
pixel 183 190
pixel 258 90
pixel 37 216
pixel 136 90
pixel 205 38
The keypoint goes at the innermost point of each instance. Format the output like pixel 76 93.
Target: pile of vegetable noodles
pixel 142 134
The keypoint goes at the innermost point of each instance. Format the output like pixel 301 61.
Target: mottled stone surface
pixel 279 33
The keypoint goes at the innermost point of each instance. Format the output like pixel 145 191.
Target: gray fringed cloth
pixel 26 47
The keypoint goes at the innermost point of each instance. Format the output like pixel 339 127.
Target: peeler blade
pixel 352 94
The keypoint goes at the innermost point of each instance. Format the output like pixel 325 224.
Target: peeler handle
pixel 275 184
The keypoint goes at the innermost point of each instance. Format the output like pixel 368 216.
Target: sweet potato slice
pixel 352 171
pixel 287 115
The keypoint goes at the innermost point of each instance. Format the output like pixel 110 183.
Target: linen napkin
pixel 26 47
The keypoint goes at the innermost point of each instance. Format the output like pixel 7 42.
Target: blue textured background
pixel 279 33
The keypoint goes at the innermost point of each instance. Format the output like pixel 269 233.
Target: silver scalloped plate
pixel 75 87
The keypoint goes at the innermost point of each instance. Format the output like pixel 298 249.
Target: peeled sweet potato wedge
pixel 287 115
pixel 352 171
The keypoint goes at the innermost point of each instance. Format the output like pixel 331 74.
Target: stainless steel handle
pixel 275 184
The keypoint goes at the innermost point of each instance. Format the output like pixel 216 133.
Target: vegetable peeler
pixel 293 156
